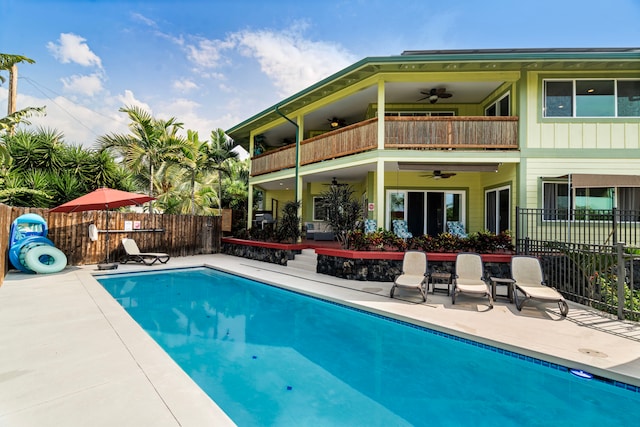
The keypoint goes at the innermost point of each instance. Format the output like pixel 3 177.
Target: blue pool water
pixel 271 357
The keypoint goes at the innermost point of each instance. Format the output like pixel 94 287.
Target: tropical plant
pixel 7 61
pixel 196 160
pixel 288 228
pixel 150 144
pixel 8 123
pixel 221 153
pixel 343 212
pixel 45 172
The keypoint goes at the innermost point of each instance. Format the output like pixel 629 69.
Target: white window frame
pixel 497 104
pixel 497 190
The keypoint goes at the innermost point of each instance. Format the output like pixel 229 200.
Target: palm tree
pixel 151 143
pixel 177 195
pixel 221 151
pixel 197 161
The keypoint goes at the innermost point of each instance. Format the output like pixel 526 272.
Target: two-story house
pixel 457 135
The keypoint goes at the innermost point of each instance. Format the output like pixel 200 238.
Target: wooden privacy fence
pixel 177 235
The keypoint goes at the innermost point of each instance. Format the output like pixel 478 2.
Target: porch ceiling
pixel 353 108
pixel 357 173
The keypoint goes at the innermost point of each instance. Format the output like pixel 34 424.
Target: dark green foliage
pixel 288 228
pixel 343 211
pixel 481 242
pixel 42 171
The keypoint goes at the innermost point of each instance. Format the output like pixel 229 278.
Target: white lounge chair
pixel 414 274
pixel 134 254
pixel 528 277
pixel 469 277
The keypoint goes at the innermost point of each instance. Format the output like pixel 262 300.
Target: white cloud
pixel 207 53
pixel 72 48
pixel 79 124
pixel 291 61
pixel 128 99
pixel 146 21
pixel 187 112
pixel 85 85
pixel 184 85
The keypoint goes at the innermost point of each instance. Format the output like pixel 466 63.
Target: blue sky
pixel 214 63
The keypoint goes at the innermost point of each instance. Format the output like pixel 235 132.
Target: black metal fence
pixel 597 227
pixel 590 257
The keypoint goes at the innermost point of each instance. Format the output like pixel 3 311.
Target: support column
pixel 380 193
pixel 250 206
pixel 380 163
pixel 381 110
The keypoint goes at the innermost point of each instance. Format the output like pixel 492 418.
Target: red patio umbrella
pixel 103 199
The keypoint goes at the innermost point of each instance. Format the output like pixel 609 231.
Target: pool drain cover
pixel 591 352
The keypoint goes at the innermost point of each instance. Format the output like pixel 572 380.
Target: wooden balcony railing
pixel 451 132
pixel 416 133
pixel 349 140
pixel 274 160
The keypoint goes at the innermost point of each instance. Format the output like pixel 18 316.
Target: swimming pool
pixel 268 356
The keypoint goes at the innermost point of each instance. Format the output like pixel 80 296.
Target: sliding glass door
pixel 426 212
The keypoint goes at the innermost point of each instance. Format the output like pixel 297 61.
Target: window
pixel 502 107
pixel 557 200
pixel 594 198
pixel 397 204
pixel 453 205
pixel 629 199
pixel 497 209
pixel 319 211
pixel 629 98
pixel 592 98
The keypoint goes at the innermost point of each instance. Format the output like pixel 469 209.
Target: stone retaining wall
pixel 259 253
pixel 385 270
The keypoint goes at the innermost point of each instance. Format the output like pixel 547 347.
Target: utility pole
pixel 13 89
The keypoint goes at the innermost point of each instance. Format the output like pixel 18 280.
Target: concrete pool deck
pixel 70 355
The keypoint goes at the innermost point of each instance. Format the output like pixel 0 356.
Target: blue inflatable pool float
pixel 29 249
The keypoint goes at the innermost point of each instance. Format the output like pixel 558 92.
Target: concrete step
pixel 307 260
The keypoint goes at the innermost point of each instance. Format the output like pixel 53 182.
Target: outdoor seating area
pixel 319 232
pixel 526 284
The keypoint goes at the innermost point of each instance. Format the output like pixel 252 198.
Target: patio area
pixel 73 355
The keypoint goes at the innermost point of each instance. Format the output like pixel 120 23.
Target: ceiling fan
pixel 335 183
pixel 335 122
pixel 434 94
pixel 440 175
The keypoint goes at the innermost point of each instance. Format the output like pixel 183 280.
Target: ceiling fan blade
pixel 445 95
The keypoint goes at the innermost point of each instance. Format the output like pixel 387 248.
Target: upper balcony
pixel 411 133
